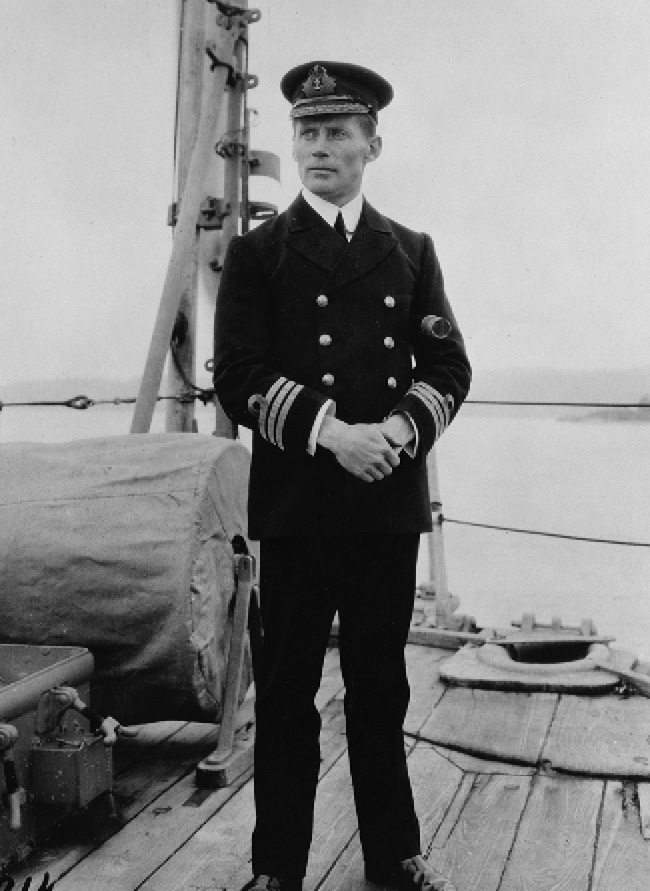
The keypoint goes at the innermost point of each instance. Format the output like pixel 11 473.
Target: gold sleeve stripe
pixel 433 406
pixel 439 406
pixel 274 407
pixel 445 402
pixel 284 411
pixel 264 420
pixel 277 403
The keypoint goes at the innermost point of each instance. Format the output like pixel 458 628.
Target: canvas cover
pixel 124 545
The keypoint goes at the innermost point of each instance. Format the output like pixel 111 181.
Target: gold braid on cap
pixel 319 97
pixel 340 105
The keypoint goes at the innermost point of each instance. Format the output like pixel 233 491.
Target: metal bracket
pixel 265 164
pixel 230 148
pixel 211 213
pixel 250 80
pixel 250 16
pixel 215 62
pixel 262 210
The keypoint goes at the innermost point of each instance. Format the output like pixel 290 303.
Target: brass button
pixel 389 343
pixel 328 379
pixel 324 340
pixel 389 301
pixel 392 383
pixel 322 300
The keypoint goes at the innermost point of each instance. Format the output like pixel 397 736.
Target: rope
pixel 559 404
pixel 613 541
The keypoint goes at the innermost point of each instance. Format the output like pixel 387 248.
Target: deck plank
pixel 218 854
pixel 555 841
pixel 492 825
pixel 331 682
pixel 423 664
pixel 622 854
pixel 602 735
pixel 503 725
pixel 148 769
pixel 135 788
pixel 475 852
pixel 436 782
pixel 125 861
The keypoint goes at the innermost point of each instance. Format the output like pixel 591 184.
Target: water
pixel 587 479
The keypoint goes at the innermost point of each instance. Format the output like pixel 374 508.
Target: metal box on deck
pixel 26 672
pixel 70 773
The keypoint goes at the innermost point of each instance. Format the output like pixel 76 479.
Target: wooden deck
pixel 491 825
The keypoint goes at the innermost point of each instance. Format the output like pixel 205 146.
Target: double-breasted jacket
pixel 303 318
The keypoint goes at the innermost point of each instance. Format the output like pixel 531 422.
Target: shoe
pixel 271 883
pixel 414 874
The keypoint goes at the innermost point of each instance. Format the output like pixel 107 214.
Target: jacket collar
pixel 351 212
pixel 313 238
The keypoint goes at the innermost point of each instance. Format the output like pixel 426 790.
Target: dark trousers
pixel 304 581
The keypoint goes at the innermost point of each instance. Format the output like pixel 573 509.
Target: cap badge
pixel 319 83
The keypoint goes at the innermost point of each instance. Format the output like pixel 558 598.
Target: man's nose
pixel 320 148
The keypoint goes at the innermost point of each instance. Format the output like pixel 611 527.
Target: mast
pixel 191 63
pixel 210 61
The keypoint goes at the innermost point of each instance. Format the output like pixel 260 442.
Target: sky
pixel 519 138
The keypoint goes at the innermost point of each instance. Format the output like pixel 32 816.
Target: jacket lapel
pixel 372 242
pixel 312 237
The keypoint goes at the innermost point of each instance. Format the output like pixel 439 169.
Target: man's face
pixel 331 152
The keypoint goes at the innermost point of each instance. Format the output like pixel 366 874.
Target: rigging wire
pixel 67 402
pixel 206 395
pixel 78 402
pixel 558 404
pixel 612 541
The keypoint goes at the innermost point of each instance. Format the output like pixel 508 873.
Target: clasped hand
pixel 362 449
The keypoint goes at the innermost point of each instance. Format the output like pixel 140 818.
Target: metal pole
pixel 235 147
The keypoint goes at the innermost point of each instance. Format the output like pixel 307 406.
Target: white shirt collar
pixel 329 212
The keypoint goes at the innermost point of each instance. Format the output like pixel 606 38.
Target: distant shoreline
pixel 638 415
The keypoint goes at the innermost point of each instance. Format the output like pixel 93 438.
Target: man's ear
pixel 374 148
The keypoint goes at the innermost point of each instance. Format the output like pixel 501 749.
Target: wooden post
pixel 185 232
pixel 437 567
pixel 232 756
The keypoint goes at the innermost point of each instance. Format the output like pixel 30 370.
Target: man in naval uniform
pixel 336 345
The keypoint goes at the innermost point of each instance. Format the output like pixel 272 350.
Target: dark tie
pixel 339 226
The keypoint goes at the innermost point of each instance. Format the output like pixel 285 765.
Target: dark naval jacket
pixel 303 318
